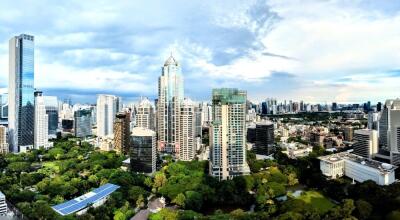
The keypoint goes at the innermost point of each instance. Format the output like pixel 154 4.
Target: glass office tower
pixel 21 92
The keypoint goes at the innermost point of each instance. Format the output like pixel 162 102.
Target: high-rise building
pixel 122 132
pixel 170 97
pixel 41 122
pixel 373 120
pixel 365 142
pixel 20 93
pixel 228 134
pixel 107 108
pixel 3 140
pixel 187 132
pixel 143 150
pixel 83 123
pixel 51 104
pixel 264 142
pixel 389 130
pixel 348 132
pixel 145 115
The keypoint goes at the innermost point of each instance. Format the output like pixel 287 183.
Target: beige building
pixel 122 132
pixel 3 140
pixel 145 115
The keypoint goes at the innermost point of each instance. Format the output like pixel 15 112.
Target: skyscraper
pixel 264 142
pixel 107 108
pixel 187 132
pixel 83 123
pixel 143 150
pixel 122 132
pixel 20 92
pixel 170 97
pixel 389 130
pixel 41 122
pixel 3 109
pixel 145 115
pixel 228 134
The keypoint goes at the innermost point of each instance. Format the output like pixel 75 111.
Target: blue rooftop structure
pixel 85 200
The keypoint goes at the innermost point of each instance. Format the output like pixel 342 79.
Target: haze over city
pixel 316 51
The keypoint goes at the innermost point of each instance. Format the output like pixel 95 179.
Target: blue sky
pixel 317 51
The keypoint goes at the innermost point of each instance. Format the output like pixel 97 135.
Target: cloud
pixel 308 50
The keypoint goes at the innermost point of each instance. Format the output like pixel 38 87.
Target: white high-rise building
pixel 373 120
pixel 145 115
pixel 170 97
pixel 3 140
pixel 389 129
pixel 107 107
pixel 365 142
pixel 228 134
pixel 41 122
pixel 3 205
pixel 187 136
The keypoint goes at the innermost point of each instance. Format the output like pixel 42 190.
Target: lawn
pixel 317 200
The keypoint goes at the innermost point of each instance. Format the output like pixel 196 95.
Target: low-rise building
pixel 357 168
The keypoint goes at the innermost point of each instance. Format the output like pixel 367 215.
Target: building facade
pixel 144 116
pixel 122 132
pixel 83 123
pixel 365 143
pixel 170 97
pixel 21 93
pixel 228 134
pixel 264 138
pixel 3 205
pixel 187 136
pixel 143 150
pixel 3 140
pixel 389 130
pixel 41 122
pixel 107 107
pixel 51 104
pixel 4 109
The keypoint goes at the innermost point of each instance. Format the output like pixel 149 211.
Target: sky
pixel 316 51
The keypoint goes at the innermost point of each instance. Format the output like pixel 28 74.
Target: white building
pixel 228 134
pixel 187 134
pixel 41 123
pixel 145 115
pixel 170 97
pixel 357 168
pixel 107 108
pixel 365 142
pixel 389 128
pixel 3 205
pixel 3 140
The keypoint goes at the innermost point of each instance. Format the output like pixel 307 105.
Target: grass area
pixel 317 200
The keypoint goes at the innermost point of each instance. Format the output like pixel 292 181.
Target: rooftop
pixel 85 200
pixel 382 167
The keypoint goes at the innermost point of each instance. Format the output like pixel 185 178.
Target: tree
pixel 19 167
pixel 363 209
pixel 159 180
pixel 179 200
pixel 194 200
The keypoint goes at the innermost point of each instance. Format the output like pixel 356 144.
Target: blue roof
pixel 85 200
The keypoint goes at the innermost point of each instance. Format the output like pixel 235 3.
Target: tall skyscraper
pixel 143 150
pixel 122 132
pixel 20 92
pixel 228 134
pixel 373 120
pixel 3 140
pixel 365 142
pixel 83 123
pixel 187 132
pixel 389 130
pixel 107 108
pixel 170 97
pixel 41 122
pixel 145 115
pixel 51 104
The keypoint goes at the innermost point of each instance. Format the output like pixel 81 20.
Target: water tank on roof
pixel 387 166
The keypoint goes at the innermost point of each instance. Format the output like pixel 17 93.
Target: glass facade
pixel 142 154
pixel 51 104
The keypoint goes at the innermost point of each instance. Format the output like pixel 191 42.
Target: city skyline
pixel 252 45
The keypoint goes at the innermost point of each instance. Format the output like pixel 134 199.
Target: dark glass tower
pixel 21 92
